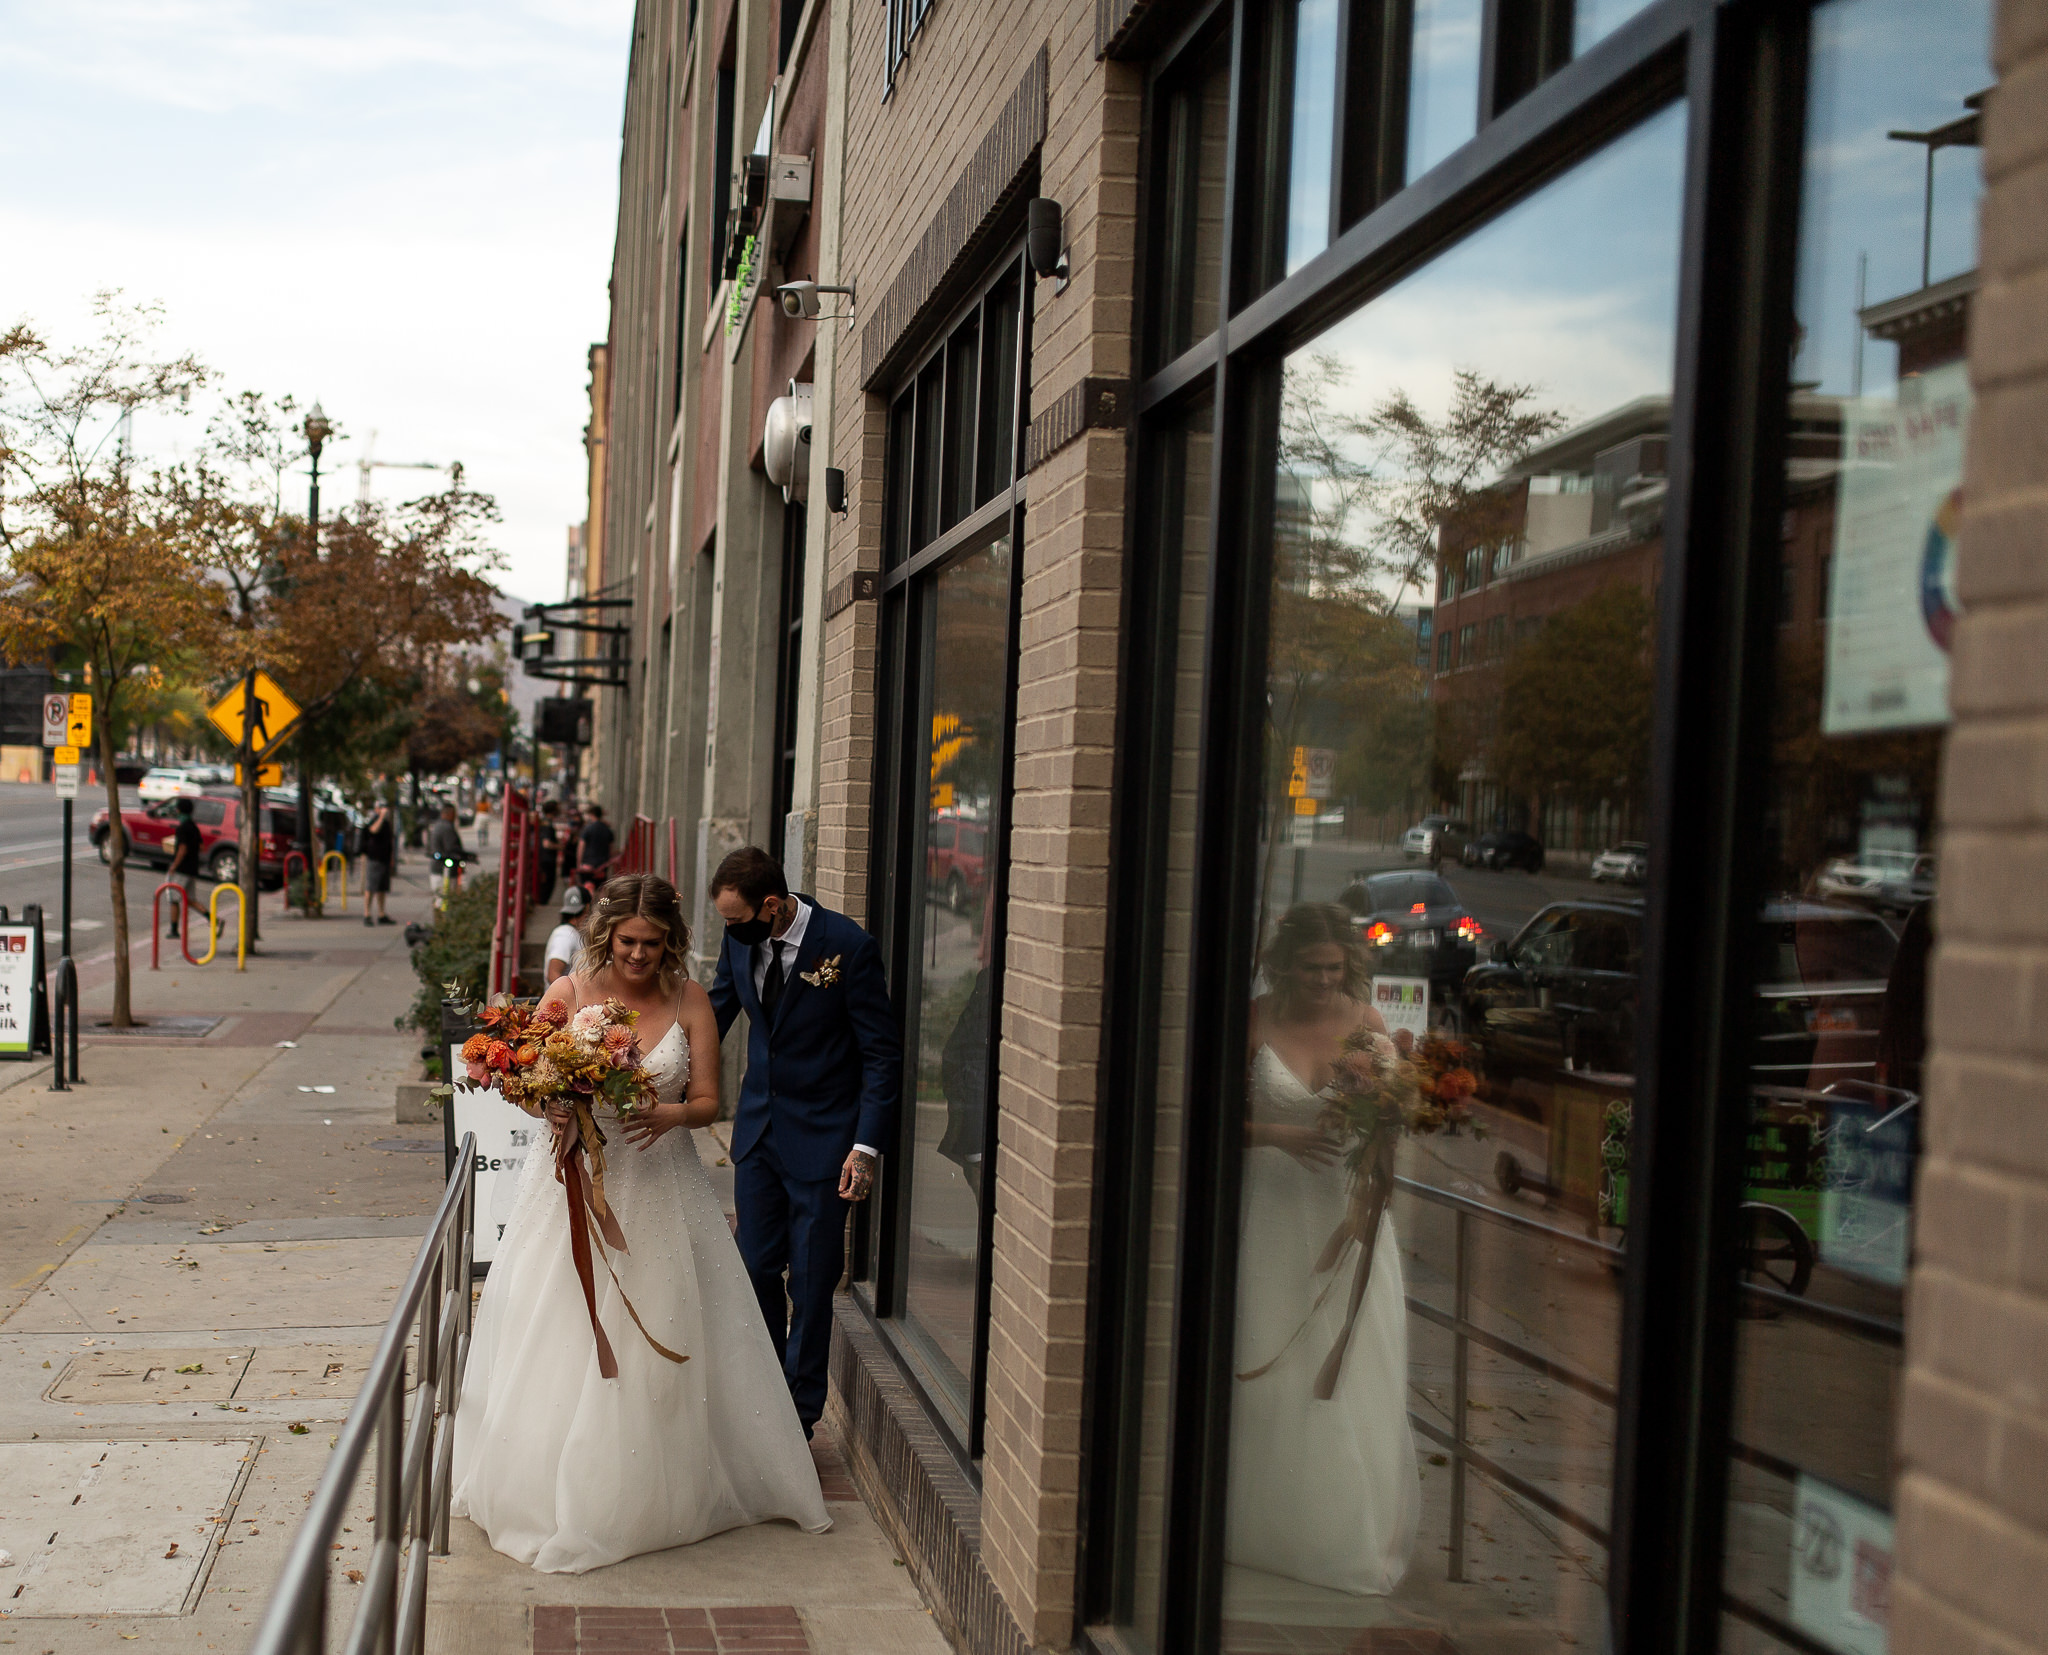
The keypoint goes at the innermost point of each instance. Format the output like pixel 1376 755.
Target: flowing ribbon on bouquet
pixel 1372 1186
pixel 593 1223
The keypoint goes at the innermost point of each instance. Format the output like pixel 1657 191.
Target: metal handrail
pixel 415 1458
pixel 1466 1333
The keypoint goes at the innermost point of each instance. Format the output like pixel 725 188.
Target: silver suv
pixel 1435 837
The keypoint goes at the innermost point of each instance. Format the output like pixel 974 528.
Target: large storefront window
pixel 1442 1030
pixel 1528 850
pixel 1858 705
pixel 941 832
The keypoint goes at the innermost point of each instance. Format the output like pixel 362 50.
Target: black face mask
pixel 749 932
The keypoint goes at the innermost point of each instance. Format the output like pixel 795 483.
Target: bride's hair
pixel 1313 925
pixel 639 896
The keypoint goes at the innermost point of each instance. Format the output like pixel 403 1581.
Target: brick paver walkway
pixel 562 1629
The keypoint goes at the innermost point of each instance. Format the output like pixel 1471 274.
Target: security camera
pixel 801 301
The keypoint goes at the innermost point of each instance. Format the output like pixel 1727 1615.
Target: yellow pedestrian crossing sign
pixel 255 712
pixel 78 722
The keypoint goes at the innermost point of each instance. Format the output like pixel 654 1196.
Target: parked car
pixel 166 782
pixel 1504 850
pixel 1415 926
pixel 1434 837
pixel 1892 881
pixel 1561 997
pixel 956 859
pixel 1626 863
pixel 149 830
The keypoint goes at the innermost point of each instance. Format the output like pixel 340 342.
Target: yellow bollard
pixel 334 856
pixel 241 926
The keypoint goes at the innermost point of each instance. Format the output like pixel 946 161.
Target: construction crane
pixel 368 463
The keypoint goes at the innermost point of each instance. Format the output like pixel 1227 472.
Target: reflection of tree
pixel 1363 507
pixel 1445 485
pixel 1575 704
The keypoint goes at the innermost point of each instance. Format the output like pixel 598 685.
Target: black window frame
pixel 915 551
pixel 1739 67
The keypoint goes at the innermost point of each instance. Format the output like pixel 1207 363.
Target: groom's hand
pixel 857 1177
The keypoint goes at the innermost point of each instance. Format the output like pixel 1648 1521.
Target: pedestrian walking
pixel 565 941
pixel 594 848
pixel 185 846
pixel 380 854
pixel 548 852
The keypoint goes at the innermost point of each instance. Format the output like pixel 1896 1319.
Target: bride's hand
pixel 560 1119
pixel 643 1126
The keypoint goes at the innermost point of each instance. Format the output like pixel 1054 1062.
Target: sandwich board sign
pixel 23 1018
pixel 505 1135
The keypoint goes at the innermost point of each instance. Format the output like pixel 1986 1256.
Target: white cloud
pixel 406 210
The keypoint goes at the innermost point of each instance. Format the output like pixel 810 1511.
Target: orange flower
pixel 1455 1084
pixel 499 1056
pixel 526 1055
pixel 474 1048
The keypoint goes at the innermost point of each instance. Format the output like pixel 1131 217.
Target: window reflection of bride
pixel 1323 1492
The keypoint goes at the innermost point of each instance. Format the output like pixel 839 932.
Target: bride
pixel 566 1470
pixel 1321 1491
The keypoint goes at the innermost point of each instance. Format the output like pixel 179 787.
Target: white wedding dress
pixel 568 1471
pixel 1321 1492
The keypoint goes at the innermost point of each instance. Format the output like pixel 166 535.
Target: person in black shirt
pixel 595 847
pixel 380 851
pixel 184 868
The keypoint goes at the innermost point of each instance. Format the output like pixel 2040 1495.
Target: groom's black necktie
pixel 771 987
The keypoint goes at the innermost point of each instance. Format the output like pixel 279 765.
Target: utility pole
pixel 318 429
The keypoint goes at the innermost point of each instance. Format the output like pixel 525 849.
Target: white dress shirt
pixel 789 942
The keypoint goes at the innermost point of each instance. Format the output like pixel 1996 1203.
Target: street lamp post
pixel 318 429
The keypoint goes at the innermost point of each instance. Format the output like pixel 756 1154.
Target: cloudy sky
pixel 401 207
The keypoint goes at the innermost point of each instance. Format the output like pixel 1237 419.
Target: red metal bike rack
pixel 156 921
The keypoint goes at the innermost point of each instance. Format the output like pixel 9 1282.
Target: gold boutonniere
pixel 825 976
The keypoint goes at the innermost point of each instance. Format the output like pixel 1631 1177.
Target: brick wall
pixel 1973 1499
pixel 904 157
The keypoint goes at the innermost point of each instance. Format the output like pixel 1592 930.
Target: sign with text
pixel 1841 1569
pixel 20 980
pixel 66 777
pixel 78 722
pixel 1403 1003
pixel 1891 582
pixel 56 713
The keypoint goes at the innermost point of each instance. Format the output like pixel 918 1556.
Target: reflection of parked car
pixel 1414 926
pixel 149 833
pixel 1561 996
pixel 1504 850
pixel 1890 880
pixel 164 782
pixel 1626 863
pixel 956 859
pixel 1436 836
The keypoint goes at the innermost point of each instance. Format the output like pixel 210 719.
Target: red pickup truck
pixel 150 828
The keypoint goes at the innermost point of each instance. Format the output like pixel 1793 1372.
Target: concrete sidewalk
pixel 198 1248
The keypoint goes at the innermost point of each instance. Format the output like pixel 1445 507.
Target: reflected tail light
pixel 1379 932
pixel 1469 928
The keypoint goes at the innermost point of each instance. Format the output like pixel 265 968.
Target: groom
pixel 818 1105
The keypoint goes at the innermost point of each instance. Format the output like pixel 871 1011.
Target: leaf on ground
pixel 296 1429
pixel 191 1367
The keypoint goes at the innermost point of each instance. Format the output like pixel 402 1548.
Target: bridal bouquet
pixel 1380 1091
pixel 542 1057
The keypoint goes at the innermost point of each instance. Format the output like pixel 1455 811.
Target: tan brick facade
pixel 1973 1501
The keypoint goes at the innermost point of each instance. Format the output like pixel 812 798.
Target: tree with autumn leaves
pixel 195 572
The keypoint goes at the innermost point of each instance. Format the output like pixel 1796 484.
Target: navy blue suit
pixel 824 1076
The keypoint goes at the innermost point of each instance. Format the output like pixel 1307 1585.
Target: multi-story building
pixel 1221 437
